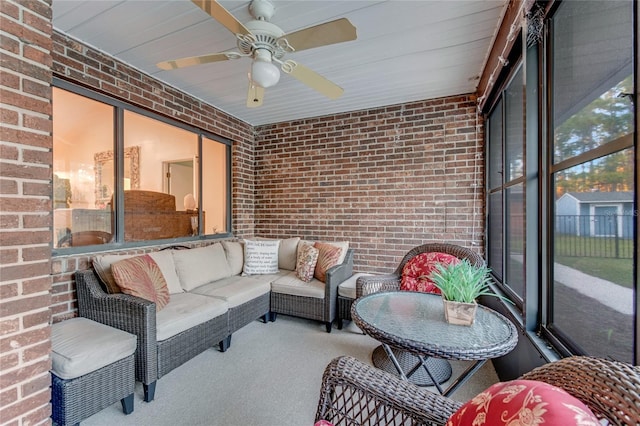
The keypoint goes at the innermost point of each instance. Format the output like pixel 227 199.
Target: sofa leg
pixel 224 344
pixel 328 325
pixel 127 404
pixel 339 324
pixel 272 316
pixel 149 391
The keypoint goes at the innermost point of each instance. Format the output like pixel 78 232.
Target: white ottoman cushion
pixel 347 288
pixel 80 346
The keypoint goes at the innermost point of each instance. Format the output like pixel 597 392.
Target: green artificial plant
pixel 463 282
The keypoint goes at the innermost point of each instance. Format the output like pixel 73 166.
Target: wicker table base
pixel 440 368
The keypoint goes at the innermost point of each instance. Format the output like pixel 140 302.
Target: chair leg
pixel 339 324
pixel 127 404
pixel 149 391
pixel 224 344
pixel 265 318
pixel 272 316
pixel 328 325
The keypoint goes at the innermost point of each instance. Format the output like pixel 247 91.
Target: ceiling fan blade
pixel 195 60
pixel 255 95
pixel 312 79
pixel 222 15
pixel 332 32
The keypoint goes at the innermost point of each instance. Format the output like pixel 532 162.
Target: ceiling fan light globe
pixel 265 74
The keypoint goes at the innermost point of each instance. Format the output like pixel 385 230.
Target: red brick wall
pixel 385 179
pixel 25 217
pixel 82 65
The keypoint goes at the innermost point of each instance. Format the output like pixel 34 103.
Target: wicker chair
pixel 356 394
pixel 374 283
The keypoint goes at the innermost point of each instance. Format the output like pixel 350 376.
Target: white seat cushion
pixel 80 346
pixel 347 288
pixel 291 284
pixel 186 310
pixel 236 290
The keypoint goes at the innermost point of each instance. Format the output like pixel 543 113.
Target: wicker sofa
pixel 358 394
pixel 213 299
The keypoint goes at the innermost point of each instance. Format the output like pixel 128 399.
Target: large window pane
pixel 592 67
pixel 495 147
pixel 593 260
pixel 214 184
pixel 83 170
pixel 160 190
pixel 592 265
pixel 515 239
pixel 514 101
pixel 495 253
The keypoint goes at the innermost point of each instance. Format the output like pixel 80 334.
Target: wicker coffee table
pixel 414 322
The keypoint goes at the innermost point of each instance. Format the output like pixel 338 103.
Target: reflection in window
pixel 155 209
pixel 81 128
pixel 159 182
pixel 592 265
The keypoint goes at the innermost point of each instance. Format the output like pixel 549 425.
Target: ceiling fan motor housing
pixel 265 36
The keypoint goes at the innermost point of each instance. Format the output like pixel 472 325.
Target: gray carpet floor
pixel 270 375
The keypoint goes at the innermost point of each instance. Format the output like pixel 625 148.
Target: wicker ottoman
pixel 92 367
pixel 346 296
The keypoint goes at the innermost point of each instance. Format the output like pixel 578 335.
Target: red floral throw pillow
pixel 141 276
pixel 523 402
pixel 417 271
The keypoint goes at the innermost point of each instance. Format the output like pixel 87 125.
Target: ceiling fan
pixel 266 43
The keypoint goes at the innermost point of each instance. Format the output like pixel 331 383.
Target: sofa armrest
pixel 124 312
pixel 341 272
pixel 353 390
pixel 375 283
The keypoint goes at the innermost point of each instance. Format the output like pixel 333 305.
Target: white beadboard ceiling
pixel 405 50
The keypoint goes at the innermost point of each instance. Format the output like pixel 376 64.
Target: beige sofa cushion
pixel 291 284
pixel 235 256
pixel 235 290
pixel 80 346
pixel 186 310
pixel 202 265
pixel 287 252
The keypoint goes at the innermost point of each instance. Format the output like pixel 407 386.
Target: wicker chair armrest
pixel 124 312
pixel 611 389
pixel 355 393
pixel 376 283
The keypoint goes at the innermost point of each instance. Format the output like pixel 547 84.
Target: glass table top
pixel 419 318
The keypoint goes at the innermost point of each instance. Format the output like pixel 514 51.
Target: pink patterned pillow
pixel 306 262
pixel 417 271
pixel 523 402
pixel 140 276
pixel 327 258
